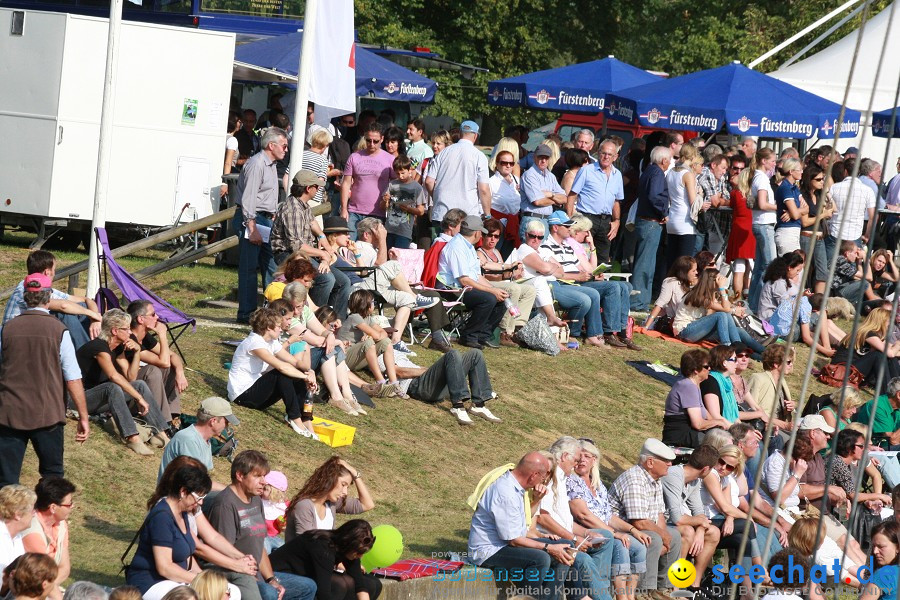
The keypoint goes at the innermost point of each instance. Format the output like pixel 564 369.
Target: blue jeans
pixel 765 254
pixel 582 305
pixel 459 376
pixel 679 245
pixel 540 571
pixel 296 587
pixel 598 568
pixel 626 561
pixel 398 241
pixel 719 326
pixel 332 289
pixel 253 260
pixel 615 299
pixel 820 257
pixel 648 234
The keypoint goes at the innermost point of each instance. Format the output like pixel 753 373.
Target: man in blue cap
pixel 460 178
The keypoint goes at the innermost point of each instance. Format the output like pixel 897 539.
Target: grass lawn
pixel 419 463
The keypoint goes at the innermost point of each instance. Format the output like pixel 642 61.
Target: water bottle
pixel 512 308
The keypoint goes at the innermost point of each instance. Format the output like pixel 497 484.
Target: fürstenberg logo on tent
pixel 506 94
pixel 767 125
pixel 406 88
pixel 621 109
pixel 579 100
pixel 744 124
pixel 542 97
pixel 677 118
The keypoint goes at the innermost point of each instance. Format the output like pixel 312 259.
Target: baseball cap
pixel 543 150
pixel 816 422
pixel 219 407
pixel 306 177
pixel 473 224
pixel 469 127
pixel 277 480
pixel 37 282
pixel 852 150
pixel 657 448
pixel 559 217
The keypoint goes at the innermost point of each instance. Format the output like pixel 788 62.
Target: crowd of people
pixel 419 230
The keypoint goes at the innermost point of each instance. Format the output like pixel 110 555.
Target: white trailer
pixel 168 138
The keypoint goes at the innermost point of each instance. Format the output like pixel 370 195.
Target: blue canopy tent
pixel 573 88
pixel 881 123
pixel 376 77
pixel 745 101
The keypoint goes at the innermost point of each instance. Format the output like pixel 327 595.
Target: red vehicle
pixel 569 123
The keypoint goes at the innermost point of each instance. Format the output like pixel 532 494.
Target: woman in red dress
pixel 741 243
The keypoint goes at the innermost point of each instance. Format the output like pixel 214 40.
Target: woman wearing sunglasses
pixel 536 269
pixel 812 184
pixel 719 394
pixel 506 199
pixel 771 392
pixel 685 418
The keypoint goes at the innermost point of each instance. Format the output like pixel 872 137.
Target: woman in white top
pixel 537 270
pixel 759 192
pixel 681 278
pixel 506 200
pixel 324 494
pixel 681 229
pixel 262 373
pixel 231 147
pixel 16 506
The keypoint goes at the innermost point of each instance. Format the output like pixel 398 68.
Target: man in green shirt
pixel 886 425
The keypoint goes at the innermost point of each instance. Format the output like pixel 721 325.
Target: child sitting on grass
pixel 366 341
pixel 274 507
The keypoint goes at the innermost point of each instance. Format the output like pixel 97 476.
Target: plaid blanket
pixel 413 568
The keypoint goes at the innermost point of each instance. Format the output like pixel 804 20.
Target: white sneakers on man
pixel 462 416
pixel 485 413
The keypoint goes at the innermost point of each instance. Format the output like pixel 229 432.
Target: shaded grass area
pixel 419 463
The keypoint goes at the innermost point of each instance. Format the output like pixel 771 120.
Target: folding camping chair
pixel 176 321
pixel 412 261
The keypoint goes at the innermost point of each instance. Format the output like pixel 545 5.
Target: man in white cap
pixel 636 496
pixel 541 192
pixel 460 178
pixel 213 417
pixel 458 267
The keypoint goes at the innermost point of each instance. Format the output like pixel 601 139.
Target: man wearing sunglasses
pixel 597 193
pixel 366 178
pixel 541 193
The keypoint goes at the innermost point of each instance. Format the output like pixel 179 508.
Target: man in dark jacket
pixel 652 212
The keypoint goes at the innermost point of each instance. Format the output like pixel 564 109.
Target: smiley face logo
pixel 682 573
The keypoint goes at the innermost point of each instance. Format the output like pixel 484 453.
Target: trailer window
pixel 292 9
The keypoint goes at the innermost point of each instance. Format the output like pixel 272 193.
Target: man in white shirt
pixel 849 223
pixel 460 178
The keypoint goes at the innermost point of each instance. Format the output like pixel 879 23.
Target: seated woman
pixel 326 354
pixel 385 279
pixel 721 495
pixel 536 270
pixel 49 531
pixel 211 546
pixel 685 418
pixel 719 397
pixel 16 507
pixel 316 554
pixel 780 296
pixel 681 278
pixel 882 273
pixel 852 401
pixel 870 350
pixel 164 556
pixel 34 577
pixel 296 267
pixel 706 313
pixel 365 341
pixel 774 399
pixel 504 276
pixel 262 373
pixel 589 503
pixel 849 451
pixel 886 552
pixel 803 537
pixel 211 585
pixel 324 495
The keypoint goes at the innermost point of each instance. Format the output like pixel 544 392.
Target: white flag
pixel 333 79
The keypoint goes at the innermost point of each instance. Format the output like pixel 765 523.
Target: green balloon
pixel 387 548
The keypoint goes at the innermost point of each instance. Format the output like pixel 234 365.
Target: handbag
pixel 833 374
pixel 536 335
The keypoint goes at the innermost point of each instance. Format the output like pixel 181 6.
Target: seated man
pixel 78 313
pixel 452 375
pixel 106 389
pixel 681 489
pixel 458 267
pixel 213 417
pixel 849 278
pixel 156 365
pixel 636 496
pixel 450 225
pixel 237 513
pixel 611 296
pixel 498 537
pixel 886 425
pixel 386 278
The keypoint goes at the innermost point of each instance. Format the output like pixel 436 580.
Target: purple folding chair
pixel 176 321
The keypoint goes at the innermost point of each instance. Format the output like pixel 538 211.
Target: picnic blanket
pixel 669 338
pixel 413 568
pixel 644 367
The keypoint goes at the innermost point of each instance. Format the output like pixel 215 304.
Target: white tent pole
pixel 816 41
pixel 303 76
pixel 106 123
pixel 800 34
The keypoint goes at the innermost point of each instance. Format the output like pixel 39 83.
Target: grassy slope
pixel 418 462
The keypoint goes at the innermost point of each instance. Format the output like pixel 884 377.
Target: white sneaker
pixel 485 413
pixel 297 429
pixel 402 347
pixel 425 301
pixel 462 416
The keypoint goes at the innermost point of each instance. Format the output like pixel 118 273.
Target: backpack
pixel 223 445
pixel 816 403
